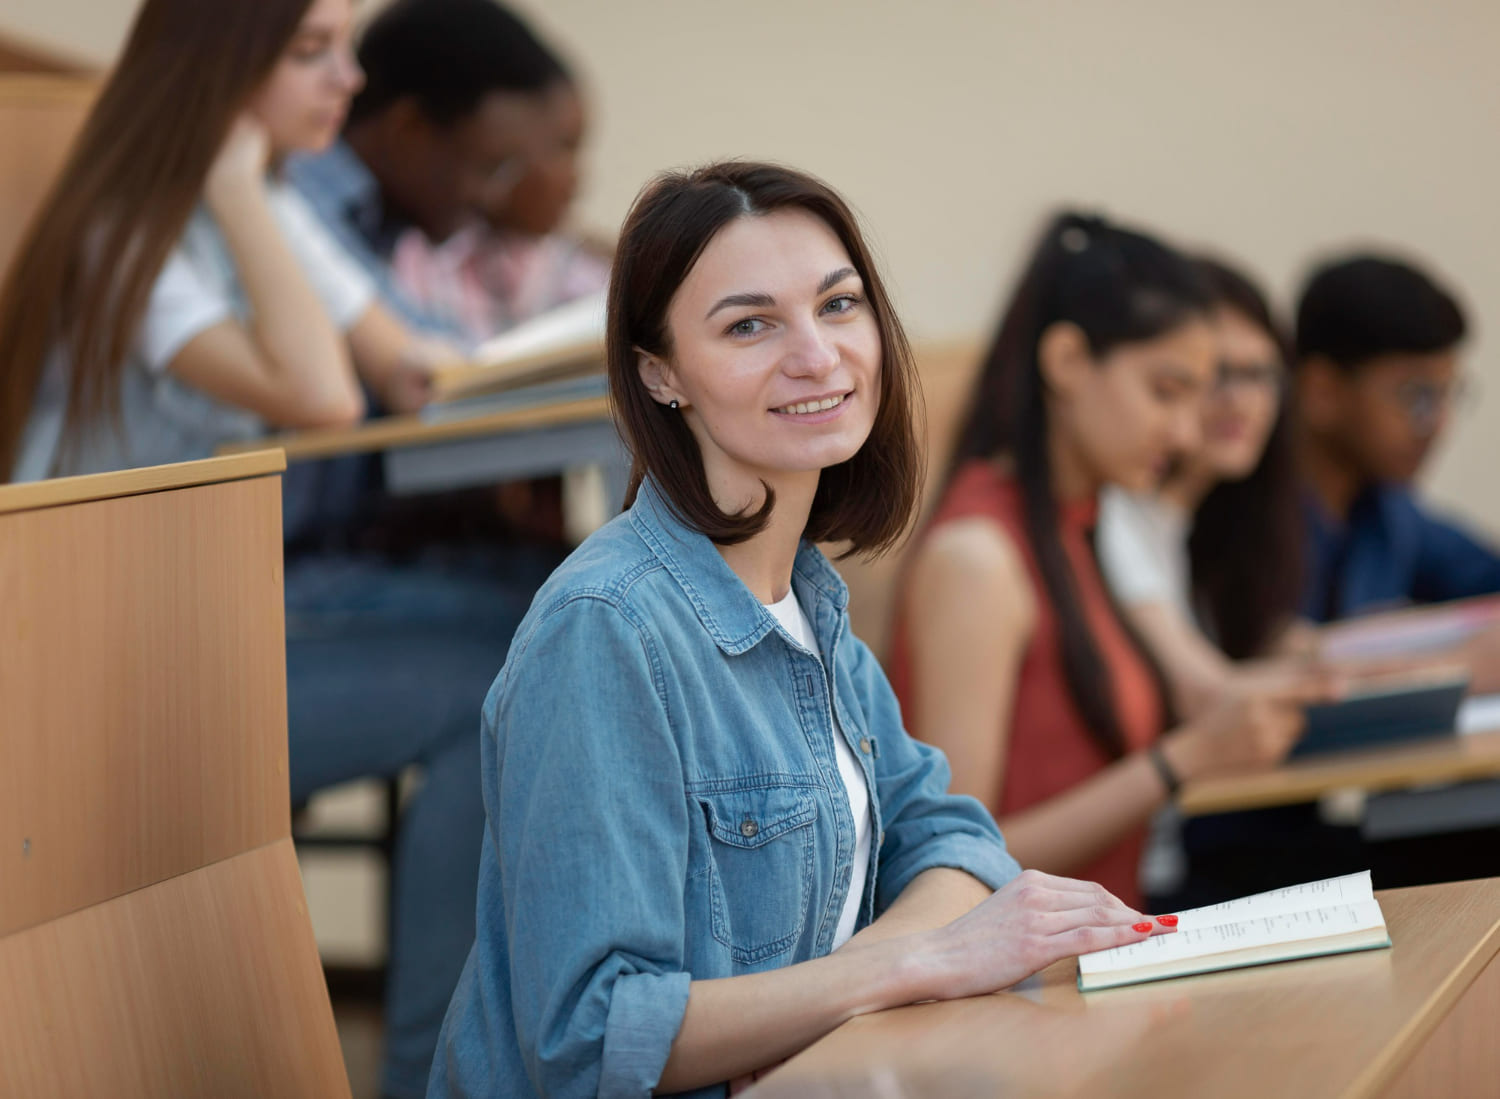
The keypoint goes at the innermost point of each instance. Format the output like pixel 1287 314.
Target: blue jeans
pixel 388 666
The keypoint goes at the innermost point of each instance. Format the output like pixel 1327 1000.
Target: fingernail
pixel 1167 921
pixel 1142 926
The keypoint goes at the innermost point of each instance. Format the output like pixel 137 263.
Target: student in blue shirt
pixel 455 105
pixel 1377 377
pixel 709 840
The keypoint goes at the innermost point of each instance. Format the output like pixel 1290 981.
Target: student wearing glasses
pixel 1377 378
pixel 1208 564
pixel 1010 653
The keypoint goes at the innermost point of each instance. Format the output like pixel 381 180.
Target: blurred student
pixel 456 104
pixel 173 294
pixel 1377 378
pixel 1010 654
pixel 1208 563
pixel 456 101
pixel 516 260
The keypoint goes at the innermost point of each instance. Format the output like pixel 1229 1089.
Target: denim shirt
pixel 664 805
pixel 1389 552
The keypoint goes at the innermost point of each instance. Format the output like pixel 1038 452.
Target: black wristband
pixel 1169 777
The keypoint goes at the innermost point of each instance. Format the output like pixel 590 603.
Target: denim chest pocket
pixel 760 867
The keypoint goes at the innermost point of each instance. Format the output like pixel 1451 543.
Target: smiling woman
pixel 709 839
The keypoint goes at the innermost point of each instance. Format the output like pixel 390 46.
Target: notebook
pixel 1412 632
pixel 562 343
pixel 1386 710
pixel 1334 916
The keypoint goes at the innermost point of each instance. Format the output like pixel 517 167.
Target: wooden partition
pixel 154 938
pixel 40 115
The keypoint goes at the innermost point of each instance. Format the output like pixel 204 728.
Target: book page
pixel 1202 941
pixel 577 322
pixel 1349 889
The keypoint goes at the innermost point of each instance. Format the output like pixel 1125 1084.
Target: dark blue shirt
pixel 1389 552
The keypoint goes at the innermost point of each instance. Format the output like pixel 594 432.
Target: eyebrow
pixel 762 300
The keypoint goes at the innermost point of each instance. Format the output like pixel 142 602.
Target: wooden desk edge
pixel 135 482
pixel 1473 756
pixel 413 430
pixel 1384 1069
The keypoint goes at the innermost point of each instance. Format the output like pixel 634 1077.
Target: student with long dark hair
pixel 709 839
pixel 174 293
pixel 1208 564
pixel 1010 654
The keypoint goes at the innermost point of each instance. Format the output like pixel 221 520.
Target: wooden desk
pixel 154 937
pixel 479 441
pixel 1456 759
pixel 1419 1019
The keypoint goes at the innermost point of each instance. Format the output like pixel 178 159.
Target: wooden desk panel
pixel 390 432
pixel 1456 759
pixel 142 691
pixel 207 985
pixel 1346 1026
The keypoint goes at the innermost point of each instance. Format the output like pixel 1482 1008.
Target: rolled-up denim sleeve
pixel 924 825
pixel 591 828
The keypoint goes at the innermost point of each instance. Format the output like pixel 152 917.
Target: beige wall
pixel 1272 130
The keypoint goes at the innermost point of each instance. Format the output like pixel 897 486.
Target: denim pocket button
pixel 748 828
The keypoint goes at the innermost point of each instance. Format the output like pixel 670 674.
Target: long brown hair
pixel 1246 547
pixel 868 500
pixel 83 274
pixel 1119 287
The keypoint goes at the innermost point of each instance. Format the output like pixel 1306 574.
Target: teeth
pixel 805 407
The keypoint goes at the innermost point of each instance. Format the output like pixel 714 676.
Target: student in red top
pixel 1010 654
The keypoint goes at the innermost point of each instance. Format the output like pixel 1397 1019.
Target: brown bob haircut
pixel 868 501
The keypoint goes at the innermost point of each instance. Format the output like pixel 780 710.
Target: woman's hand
pixel 408 385
pixel 1250 730
pixel 1025 926
pixel 242 160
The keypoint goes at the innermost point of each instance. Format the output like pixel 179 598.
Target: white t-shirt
pixel 793 619
pixel 1142 544
pixel 162 419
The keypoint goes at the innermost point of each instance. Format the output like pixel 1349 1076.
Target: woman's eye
pixel 747 327
pixel 844 303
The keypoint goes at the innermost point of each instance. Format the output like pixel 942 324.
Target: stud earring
pixel 672 404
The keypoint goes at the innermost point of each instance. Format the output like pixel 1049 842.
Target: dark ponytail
pixel 1118 287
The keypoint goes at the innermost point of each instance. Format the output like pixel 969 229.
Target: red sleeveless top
pixel 1049 748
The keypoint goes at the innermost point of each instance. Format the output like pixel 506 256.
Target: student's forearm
pixel 932 899
pixel 736 1025
pixel 1066 832
pixel 287 320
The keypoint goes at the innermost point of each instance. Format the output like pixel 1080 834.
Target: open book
pixel 1301 921
pixel 560 343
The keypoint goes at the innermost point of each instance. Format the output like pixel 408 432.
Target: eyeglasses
pixel 1425 402
pixel 1259 377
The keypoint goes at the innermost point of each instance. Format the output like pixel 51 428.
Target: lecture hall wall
pixel 1275 130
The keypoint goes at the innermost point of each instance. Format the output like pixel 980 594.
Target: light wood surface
pixel 1345 1026
pixel 39 117
pixel 31 495
pixel 1452 759
pixel 390 432
pixel 142 691
pixel 154 939
pixel 205 985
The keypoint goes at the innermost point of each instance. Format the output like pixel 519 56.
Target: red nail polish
pixel 1142 926
pixel 1167 921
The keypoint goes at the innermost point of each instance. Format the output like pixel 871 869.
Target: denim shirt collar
pixel 346 184
pixel 729 611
